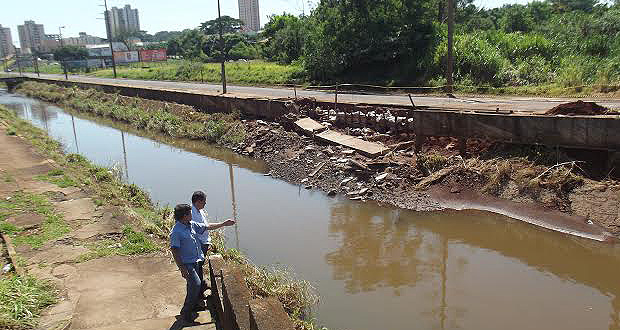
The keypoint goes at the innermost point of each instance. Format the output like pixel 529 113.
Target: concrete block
pixel 236 296
pixel 268 314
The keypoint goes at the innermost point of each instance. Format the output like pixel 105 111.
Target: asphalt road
pixel 516 104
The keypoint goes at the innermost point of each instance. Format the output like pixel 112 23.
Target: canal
pixel 374 267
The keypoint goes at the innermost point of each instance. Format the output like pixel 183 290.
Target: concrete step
pixel 171 323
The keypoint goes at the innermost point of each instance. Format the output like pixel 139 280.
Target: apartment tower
pixel 6 42
pixel 31 36
pixel 123 20
pixel 248 13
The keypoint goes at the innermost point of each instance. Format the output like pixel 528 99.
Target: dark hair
pixel 198 196
pixel 181 210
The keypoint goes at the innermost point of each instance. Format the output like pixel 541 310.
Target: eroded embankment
pixel 523 181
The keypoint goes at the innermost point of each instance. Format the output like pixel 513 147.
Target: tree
pixel 229 25
pixel 191 44
pixel 570 5
pixel 70 53
pixel 349 37
pixel 166 35
pixel 220 50
pixel 516 18
pixel 285 36
pixel 174 47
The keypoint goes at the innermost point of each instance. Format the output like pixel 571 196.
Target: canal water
pixel 374 267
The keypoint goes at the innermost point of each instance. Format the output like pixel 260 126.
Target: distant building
pixel 31 36
pixel 82 40
pixel 249 14
pixel 6 42
pixel 50 43
pixel 123 20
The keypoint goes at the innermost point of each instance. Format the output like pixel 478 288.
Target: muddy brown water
pixel 375 267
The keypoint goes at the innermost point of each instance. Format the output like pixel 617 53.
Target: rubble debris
pixel 578 108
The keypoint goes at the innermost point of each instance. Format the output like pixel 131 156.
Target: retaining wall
pixel 234 306
pixel 587 132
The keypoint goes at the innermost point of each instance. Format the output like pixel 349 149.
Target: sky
pixel 155 15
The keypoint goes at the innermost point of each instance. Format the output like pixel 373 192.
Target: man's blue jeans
pixel 194 285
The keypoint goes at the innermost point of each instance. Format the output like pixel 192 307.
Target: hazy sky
pixel 155 15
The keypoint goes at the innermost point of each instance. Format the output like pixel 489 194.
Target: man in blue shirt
pixel 187 252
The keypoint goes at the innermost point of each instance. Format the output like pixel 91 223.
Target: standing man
pixel 187 252
pixel 199 200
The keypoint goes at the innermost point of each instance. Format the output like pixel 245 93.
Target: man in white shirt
pixel 199 200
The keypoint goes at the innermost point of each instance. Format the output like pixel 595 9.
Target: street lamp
pixel 60 35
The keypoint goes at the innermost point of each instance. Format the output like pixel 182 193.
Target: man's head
pixel 199 199
pixel 183 213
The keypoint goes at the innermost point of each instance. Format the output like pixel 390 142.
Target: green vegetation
pixel 58 178
pixel 131 243
pixel 249 73
pixel 171 119
pixel 53 226
pixel 22 298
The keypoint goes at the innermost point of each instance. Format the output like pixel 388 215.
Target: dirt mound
pixel 578 108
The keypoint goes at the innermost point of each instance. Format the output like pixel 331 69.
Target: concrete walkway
pixel 140 292
pixel 484 103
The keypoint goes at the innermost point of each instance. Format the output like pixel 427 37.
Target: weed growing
pixel 131 243
pixel 22 298
pixel 58 178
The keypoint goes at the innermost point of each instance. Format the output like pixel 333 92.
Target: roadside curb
pixel 12 254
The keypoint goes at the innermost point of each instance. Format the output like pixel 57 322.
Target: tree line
pixel 404 42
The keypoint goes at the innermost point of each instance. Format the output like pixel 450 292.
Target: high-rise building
pixel 6 42
pixel 123 20
pixel 248 13
pixel 31 35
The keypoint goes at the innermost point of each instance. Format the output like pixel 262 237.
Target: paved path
pixel 111 293
pixel 517 104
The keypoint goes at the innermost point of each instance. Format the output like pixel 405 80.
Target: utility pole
pixel 60 35
pixel 19 65
pixel 222 48
pixel 450 64
pixel 109 35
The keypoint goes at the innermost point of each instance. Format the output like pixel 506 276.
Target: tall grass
pixel 251 72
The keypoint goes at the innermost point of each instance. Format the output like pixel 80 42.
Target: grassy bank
pixel 169 118
pixel 144 219
pixel 245 73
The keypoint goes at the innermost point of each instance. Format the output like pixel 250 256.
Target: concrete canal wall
pixel 586 132
pixel 234 306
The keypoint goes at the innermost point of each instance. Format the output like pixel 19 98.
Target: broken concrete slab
pixel 366 148
pixel 310 126
pixel 26 221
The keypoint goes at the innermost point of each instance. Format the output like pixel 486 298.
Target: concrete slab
pixel 94 229
pixel 27 220
pixel 77 209
pixel 58 254
pixel 310 126
pixel 370 149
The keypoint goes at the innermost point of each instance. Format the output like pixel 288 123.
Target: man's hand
pixel 184 271
pixel 229 222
